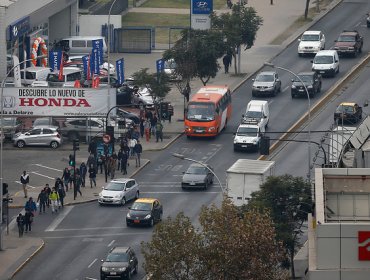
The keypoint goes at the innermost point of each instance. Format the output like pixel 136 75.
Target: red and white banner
pixel 67 102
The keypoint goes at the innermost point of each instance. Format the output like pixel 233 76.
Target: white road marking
pixel 33 172
pixel 94 228
pixel 28 186
pixel 59 218
pixel 90 235
pixel 90 278
pixel 111 243
pixel 287 87
pixel 159 183
pixel 40 165
pixel 183 192
pixel 358 24
pixel 91 264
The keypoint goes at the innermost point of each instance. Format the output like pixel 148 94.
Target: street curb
pixel 167 145
pixel 330 93
pixel 19 268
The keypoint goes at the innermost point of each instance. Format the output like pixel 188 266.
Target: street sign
pixel 106 138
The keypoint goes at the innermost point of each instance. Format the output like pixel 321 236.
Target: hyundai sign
pixel 200 11
pixel 18 28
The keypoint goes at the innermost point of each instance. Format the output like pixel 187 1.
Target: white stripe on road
pixel 91 264
pixel 40 165
pixel 28 186
pixel 110 244
pixel 100 235
pixel 183 192
pixel 33 172
pixel 59 218
pixel 94 228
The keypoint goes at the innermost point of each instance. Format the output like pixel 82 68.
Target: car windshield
pixel 345 109
pixel 53 77
pixel 247 131
pixel 323 59
pixel 199 170
pixel 117 257
pixel 169 64
pixel 310 37
pixel 114 186
pixel 346 38
pixel 141 206
pixel 265 78
pixel 254 114
pixel 199 111
pixel 304 78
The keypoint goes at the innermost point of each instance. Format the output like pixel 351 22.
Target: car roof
pixel 249 125
pixel 351 33
pixel 267 73
pixel 46 126
pixel 326 52
pixel 347 104
pixel 146 200
pixel 121 180
pixel 311 32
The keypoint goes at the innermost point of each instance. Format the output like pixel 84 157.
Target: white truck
pixel 246 176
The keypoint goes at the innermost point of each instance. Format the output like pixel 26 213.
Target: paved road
pixel 85 234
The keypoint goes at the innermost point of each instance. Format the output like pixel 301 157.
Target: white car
pixel 248 137
pixel 119 191
pixel 311 42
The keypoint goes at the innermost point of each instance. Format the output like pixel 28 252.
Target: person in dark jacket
pixel 142 127
pixel 66 177
pixel 92 176
pixel 28 219
pixel 119 157
pixel 77 188
pixel 138 149
pixel 47 192
pixel 61 193
pixel 83 171
pixel 42 199
pixel 123 163
pixel 20 224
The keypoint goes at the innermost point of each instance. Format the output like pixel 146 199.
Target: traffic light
pixel 72 161
pixel 265 145
pixel 76 145
pixel 5 188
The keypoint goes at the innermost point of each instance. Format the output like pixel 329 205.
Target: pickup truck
pixel 348 112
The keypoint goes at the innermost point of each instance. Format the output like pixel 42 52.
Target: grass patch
pixel 179 4
pixel 298 23
pixel 145 19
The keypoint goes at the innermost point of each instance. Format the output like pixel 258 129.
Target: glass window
pixel 47 131
pixel 89 43
pixel 201 111
pixel 247 131
pixel 265 78
pixel 30 75
pixel 78 43
pixel 114 186
pixel 36 131
pixel 117 257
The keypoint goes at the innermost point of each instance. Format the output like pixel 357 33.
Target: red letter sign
pixel 364 246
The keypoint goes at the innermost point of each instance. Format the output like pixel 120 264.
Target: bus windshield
pixel 199 111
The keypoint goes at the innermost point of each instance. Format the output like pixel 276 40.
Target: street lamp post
pixel 309 115
pixel 1 145
pixel 180 156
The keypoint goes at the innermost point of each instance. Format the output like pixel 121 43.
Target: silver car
pixel 197 175
pixel 119 191
pixel 39 136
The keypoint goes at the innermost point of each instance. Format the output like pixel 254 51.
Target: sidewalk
pixel 277 19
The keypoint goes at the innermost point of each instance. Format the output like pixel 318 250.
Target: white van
pixel 70 75
pixel 36 73
pixel 80 45
pixel 257 113
pixel 248 137
pixel 326 63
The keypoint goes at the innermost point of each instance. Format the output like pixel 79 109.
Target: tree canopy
pixel 225 246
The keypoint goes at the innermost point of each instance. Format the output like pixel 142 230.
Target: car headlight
pixel 187 128
pixel 118 196
pixel 148 216
pixel 128 215
pixel 121 269
pixel 254 87
pixel 309 86
pixel 293 86
pixel 212 128
pixel 254 141
pixel 105 269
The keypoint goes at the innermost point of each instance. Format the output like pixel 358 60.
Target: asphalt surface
pixel 76 242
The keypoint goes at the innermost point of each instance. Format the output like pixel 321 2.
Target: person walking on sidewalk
pixel 83 171
pixel 66 177
pixel 77 188
pixel 42 199
pixel 20 224
pixel 25 179
pixel 92 176
pixel 138 149
pixel 30 205
pixel 141 125
pixel 124 159
pixel 28 219
pixel 100 163
pixel 153 123
pixel 119 157
pixel 159 131
pixel 112 166
pixel 147 129
pixel 54 197
pixel 131 144
pixel 61 193
pixel 227 62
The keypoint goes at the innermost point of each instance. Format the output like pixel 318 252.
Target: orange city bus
pixel 208 111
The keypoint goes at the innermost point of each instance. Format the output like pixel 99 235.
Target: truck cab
pixel 248 137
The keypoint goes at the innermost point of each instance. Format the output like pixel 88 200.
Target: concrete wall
pixel 91 25
pixel 60 25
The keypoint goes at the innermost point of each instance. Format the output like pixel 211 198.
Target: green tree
pixel 196 54
pixel 238 28
pixel 157 84
pixel 288 199
pixel 226 246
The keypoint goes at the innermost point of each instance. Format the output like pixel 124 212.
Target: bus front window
pixel 198 111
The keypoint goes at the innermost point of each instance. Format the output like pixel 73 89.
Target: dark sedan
pixel 144 211
pixel 311 80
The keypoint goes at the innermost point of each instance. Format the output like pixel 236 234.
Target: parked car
pixel 119 191
pixel 311 42
pixel 11 125
pixel 45 122
pixel 197 175
pixel 35 73
pixel 349 42
pixel 128 115
pixel 121 263
pixel 266 83
pixel 144 211
pixel 348 112
pixel 70 75
pixel 39 136
pixel 311 80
